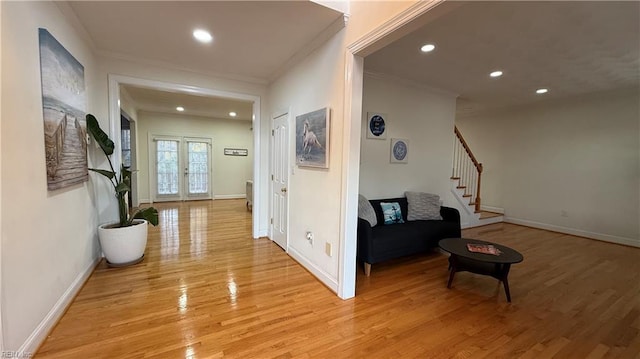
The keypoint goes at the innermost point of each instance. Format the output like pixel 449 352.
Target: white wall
pixel 314 186
pixel 425 118
pixel 315 194
pixel 580 156
pixel 49 238
pixel 230 173
pixel 128 105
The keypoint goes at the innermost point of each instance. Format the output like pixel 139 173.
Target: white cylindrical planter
pixel 123 246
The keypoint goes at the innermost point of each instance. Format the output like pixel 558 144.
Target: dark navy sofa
pixel 383 242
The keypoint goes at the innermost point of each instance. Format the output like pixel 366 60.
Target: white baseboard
pixel 38 336
pixel 323 276
pixel 576 232
pixel 230 196
pixel 492 209
pixel 482 222
pixel 262 233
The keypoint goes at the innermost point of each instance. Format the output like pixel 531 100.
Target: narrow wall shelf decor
pixel 236 152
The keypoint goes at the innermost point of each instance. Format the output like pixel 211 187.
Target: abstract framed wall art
pixel 63 109
pixel 399 150
pixel 312 138
pixel 377 125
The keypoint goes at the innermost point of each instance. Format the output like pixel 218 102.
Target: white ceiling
pixel 571 48
pixel 146 99
pixel 252 39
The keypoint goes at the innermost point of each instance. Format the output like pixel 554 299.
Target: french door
pixel 183 168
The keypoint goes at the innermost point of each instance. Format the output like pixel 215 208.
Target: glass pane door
pixel 167 169
pixel 183 168
pixel 198 169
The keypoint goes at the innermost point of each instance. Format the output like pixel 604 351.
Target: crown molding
pixel 396 27
pixel 335 27
pixel 171 66
pixel 68 12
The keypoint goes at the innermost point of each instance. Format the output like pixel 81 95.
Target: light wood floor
pixel 207 290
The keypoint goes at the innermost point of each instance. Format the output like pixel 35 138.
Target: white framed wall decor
pixel 399 150
pixel 312 138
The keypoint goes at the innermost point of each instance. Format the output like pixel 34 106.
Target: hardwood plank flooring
pixel 207 290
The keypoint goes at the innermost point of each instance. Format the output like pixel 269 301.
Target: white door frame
pixel 114 121
pixel 354 72
pixel 134 158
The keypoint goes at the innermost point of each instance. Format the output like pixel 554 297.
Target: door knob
pixel 284 190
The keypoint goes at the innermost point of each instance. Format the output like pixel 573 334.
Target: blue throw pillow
pixel 391 212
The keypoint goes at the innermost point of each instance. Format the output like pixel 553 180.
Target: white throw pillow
pixel 423 206
pixel 366 211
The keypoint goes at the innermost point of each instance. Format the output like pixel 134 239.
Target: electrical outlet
pixel 327 248
pixel 310 237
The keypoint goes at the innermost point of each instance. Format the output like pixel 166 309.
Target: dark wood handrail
pixel 475 162
pixel 466 148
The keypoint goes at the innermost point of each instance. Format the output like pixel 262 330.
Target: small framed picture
pixel 399 150
pixel 377 125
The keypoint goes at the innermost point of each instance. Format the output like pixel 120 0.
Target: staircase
pixel 466 178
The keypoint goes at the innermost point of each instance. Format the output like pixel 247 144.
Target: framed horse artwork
pixel 312 138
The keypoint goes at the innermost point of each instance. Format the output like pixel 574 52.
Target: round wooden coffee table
pixel 496 266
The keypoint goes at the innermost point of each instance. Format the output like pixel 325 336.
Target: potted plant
pixel 123 243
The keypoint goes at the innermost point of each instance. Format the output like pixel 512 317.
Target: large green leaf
pixel 122 188
pixel 108 174
pixel 149 213
pixel 93 127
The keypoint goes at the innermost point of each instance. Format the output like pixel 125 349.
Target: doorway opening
pixel 253 124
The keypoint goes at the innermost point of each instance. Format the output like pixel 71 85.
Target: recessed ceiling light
pixel 232 114
pixel 496 74
pixel 202 35
pixel 180 108
pixel 541 91
pixel 427 48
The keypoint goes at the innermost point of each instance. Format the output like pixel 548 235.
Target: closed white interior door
pixel 280 180
pixel 183 168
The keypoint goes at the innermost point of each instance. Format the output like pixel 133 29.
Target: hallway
pixel 204 286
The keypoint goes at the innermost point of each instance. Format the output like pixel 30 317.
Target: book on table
pixel 483 248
